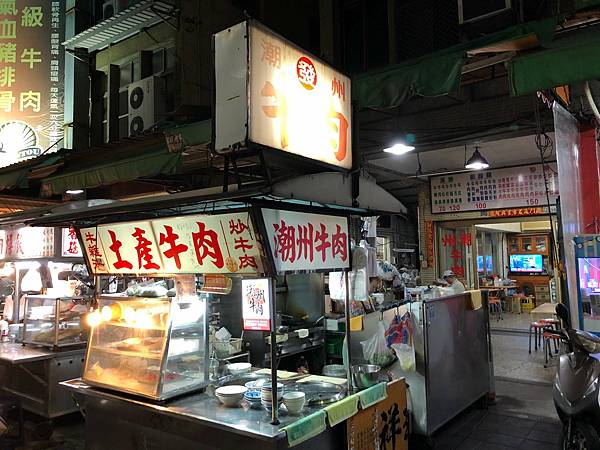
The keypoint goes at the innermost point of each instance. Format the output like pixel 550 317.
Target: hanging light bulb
pixel 477 161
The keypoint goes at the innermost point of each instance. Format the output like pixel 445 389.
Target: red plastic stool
pixel 547 337
pixel 538 328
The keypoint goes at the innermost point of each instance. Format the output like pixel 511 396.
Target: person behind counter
pixel 453 282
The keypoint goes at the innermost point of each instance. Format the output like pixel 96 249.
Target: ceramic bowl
pixel 239 368
pixel 230 395
pixel 294 401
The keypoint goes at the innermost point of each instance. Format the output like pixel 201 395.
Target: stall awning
pixel 16 175
pixel 153 163
pixel 143 14
pixel 439 73
pixel 140 157
pixel 570 60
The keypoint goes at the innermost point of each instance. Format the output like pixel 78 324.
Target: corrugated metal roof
pixel 122 25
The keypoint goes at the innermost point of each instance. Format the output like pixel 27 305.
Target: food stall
pixel 44 305
pixel 148 370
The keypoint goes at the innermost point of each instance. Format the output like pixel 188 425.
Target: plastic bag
pixel 375 349
pixel 399 336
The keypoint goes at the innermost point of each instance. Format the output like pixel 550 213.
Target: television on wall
pixel 488 263
pixel 526 263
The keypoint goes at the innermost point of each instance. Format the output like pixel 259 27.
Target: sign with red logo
pixel 224 243
pixel 289 101
pixel 27 243
pixel 70 243
pixel 307 73
pixel 255 304
pixel 301 241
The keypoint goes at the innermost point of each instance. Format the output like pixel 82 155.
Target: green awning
pixel 437 73
pixel 16 177
pixel 565 61
pixel 159 162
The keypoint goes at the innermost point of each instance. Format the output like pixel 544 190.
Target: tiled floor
pixel 501 426
pixel 512 359
pixel 511 321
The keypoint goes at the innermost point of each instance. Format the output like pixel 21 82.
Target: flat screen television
pixel 526 263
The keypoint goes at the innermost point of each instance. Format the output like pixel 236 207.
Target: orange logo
pixel 307 73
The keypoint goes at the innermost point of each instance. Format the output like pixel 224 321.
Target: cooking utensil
pixel 320 393
pixel 365 375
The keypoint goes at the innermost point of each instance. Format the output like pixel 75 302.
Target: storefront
pixel 494 229
pixel 45 299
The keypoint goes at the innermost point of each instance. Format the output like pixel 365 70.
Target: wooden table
pixel 548 309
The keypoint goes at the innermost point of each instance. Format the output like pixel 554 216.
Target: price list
pixel 512 187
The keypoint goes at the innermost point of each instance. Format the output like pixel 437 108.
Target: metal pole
pixel 348 346
pixel 274 393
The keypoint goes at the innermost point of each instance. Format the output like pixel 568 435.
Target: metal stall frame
pixel 253 203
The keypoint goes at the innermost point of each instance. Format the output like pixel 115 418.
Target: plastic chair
pixel 495 305
pixel 547 336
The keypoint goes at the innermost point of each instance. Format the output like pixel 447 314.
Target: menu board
pixel 511 187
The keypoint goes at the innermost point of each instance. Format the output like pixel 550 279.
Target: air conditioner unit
pixel 144 102
pixel 474 10
pixel 112 7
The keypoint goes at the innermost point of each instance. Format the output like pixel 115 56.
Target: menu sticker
pixel 256 304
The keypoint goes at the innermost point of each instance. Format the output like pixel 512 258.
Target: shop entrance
pixel 511 259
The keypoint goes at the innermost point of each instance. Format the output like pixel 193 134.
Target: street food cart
pixel 148 365
pixel 45 304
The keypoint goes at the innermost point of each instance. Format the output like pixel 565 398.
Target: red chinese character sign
pixel 295 102
pixel 192 244
pixel 301 241
pixel 255 304
pixel 70 244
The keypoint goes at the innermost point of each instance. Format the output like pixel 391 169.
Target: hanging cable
pixel 545 146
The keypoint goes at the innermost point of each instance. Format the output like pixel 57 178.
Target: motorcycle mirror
pixel 563 313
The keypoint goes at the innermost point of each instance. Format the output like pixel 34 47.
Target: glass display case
pixel 55 322
pixel 587 265
pixel 155 347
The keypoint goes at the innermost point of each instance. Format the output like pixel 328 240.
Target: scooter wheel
pixel 584 436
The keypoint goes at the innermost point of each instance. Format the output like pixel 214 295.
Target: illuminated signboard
pixel 301 241
pixel 70 243
pixel 255 304
pixel 26 243
pixel 205 244
pixel 31 78
pixel 280 97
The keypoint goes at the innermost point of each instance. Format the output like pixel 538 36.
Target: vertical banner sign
pixel 429 239
pixel 70 243
pixel 31 78
pixel 302 241
pixel 255 304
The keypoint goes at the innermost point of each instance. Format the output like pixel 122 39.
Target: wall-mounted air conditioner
pixel 474 10
pixel 144 98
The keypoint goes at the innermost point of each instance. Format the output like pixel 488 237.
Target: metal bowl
pixel 365 375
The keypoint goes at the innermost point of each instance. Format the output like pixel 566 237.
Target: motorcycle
pixel 576 389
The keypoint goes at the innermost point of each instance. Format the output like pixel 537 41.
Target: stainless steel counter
pixel 33 375
pixel 453 358
pixel 193 421
pixel 19 354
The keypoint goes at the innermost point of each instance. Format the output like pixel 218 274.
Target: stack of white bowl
pixel 294 401
pixel 266 396
pixel 230 395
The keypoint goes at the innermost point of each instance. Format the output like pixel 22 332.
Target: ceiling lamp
pixel 399 149
pixel 476 161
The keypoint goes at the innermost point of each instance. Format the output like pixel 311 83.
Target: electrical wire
pixel 545 146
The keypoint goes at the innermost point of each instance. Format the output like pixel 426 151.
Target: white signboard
pixel 70 243
pixel 206 244
pixel 255 304
pixel 27 243
pixel 296 103
pixel 301 241
pixel 512 187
